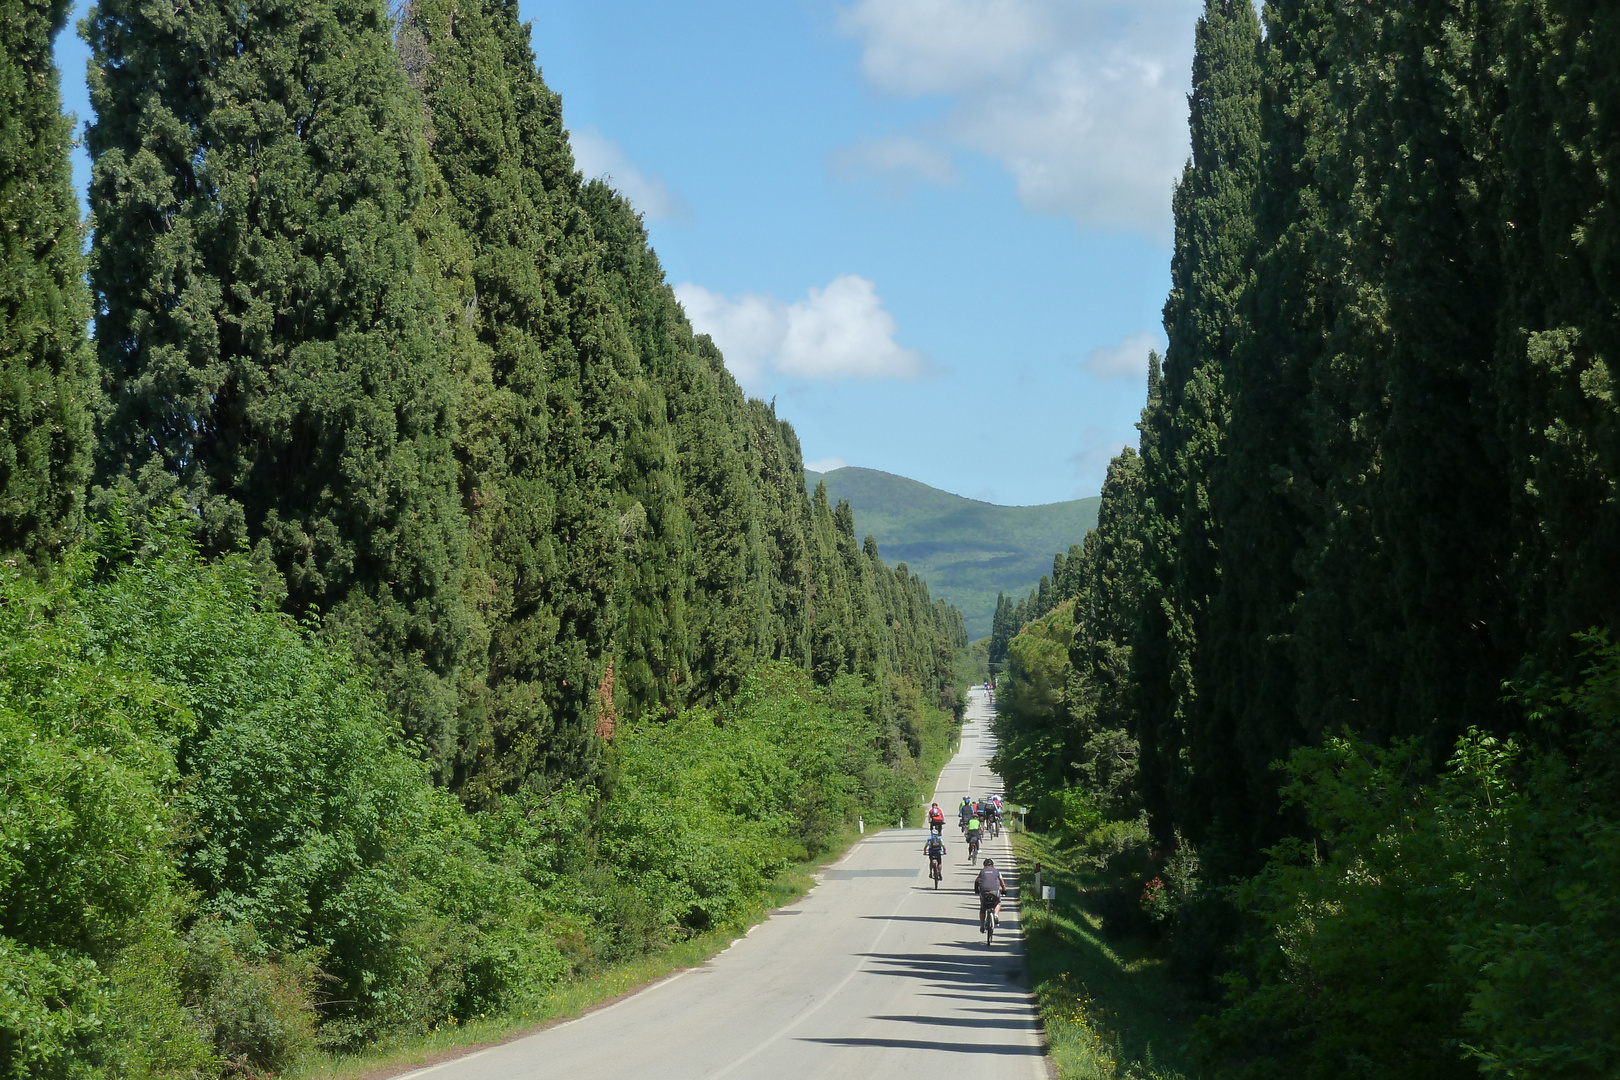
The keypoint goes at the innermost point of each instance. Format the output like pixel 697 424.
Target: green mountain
pixel 967 550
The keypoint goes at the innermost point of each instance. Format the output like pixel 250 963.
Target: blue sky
pixel 935 231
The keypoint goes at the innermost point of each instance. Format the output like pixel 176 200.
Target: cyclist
pixel 936 819
pixel 934 848
pixel 989 885
pixel 975 832
pixel 963 811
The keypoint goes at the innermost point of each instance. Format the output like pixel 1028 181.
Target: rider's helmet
pixel 989 862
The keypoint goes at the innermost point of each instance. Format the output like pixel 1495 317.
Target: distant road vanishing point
pixel 873 975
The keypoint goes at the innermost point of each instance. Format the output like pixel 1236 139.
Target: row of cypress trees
pixel 1377 469
pixel 1344 628
pixel 354 305
pixel 1065 580
pixel 1379 466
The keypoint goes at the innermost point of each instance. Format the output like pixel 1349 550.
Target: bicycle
pixel 934 869
pixel 989 904
pixel 973 847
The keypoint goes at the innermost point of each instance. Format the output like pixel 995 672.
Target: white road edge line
pixel 665 981
pixel 812 1010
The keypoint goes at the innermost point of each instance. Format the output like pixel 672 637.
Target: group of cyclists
pixel 979 819
pixel 975 818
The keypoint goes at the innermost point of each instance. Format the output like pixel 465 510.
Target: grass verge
pixel 1111 1009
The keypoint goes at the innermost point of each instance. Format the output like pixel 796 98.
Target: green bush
pixel 1458 927
pixel 88 891
pixel 309 820
pixel 259 1012
pixel 219 852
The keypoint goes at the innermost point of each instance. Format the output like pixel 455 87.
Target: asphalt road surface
pixel 873 975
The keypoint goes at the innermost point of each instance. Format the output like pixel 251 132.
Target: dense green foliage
pixel 268 323
pixel 1183 431
pixel 968 550
pixel 1375 485
pixel 1468 915
pixel 1064 704
pixel 431 559
pixel 220 848
pixel 48 385
pixel 438 386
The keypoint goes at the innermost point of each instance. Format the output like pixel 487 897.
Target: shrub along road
pixel 874 973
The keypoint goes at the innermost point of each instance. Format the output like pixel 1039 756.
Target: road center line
pixel 808 1013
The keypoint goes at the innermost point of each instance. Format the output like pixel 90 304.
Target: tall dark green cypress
pixel 1401 627
pixel 48 385
pixel 1247 709
pixel 1001 630
pixel 1183 438
pixel 1558 335
pixel 701 411
pixel 544 446
pixel 271 340
pixel 776 466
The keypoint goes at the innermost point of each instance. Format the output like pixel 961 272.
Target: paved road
pixel 873 975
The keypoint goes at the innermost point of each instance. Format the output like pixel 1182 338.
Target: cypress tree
pixel 1401 628
pixel 701 409
pixel 273 343
pixel 1558 335
pixel 834 649
pixel 47 373
pixel 1110 606
pixel 1247 704
pixel 775 465
pixel 1000 630
pixel 1183 439
pixel 545 456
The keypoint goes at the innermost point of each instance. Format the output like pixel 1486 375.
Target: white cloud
pixel 944 46
pixel 825 465
pixel 1082 101
pixel 598 157
pixel 1126 360
pixel 898 161
pixel 841 331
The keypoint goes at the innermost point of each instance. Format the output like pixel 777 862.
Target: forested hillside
pixel 390 560
pixel 1342 633
pixel 969 551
